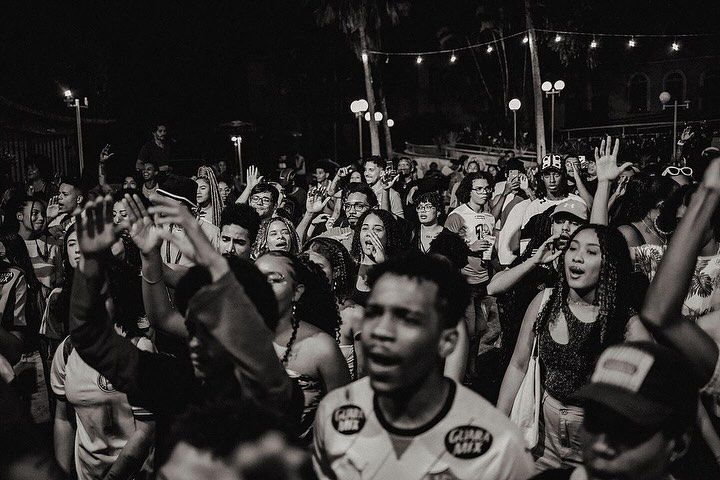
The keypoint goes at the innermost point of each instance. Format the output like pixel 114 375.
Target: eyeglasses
pixel 355 206
pixel 260 200
pixel 674 171
pixel 275 277
pixel 482 189
pixel 425 208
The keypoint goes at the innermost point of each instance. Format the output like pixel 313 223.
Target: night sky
pixel 199 64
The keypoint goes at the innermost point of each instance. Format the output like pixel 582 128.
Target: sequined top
pixel 568 367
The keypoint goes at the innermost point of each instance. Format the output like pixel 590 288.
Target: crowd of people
pixel 555 320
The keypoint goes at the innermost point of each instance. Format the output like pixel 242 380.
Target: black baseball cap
pixel 644 382
pixel 179 188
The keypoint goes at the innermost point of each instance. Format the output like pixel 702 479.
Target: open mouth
pixel 281 244
pixel 381 362
pixel 575 271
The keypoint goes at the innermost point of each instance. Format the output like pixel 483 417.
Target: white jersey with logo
pixel 105 419
pixel 469 439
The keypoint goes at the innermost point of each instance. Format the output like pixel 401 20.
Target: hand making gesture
pixel 317 198
pixel 143 231
pixel 606 160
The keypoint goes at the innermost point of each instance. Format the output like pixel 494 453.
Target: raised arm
pixel 507 279
pixel 252 179
pixel 314 204
pixel 663 303
pixel 607 171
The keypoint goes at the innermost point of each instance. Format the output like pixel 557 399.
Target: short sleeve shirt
pixel 471 226
pixel 13 296
pixel 468 439
pixel 105 419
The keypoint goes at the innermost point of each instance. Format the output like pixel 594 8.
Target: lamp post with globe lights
pixel 237 141
pixel 73 102
pixel 551 90
pixel 514 105
pixel 665 98
pixel 358 107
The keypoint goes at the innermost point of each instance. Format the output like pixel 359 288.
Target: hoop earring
pixel 659 230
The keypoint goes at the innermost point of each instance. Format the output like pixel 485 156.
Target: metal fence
pixel 16 147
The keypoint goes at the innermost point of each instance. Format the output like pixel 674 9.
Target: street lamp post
pixel 73 102
pixel 664 99
pixel 515 105
pixel 358 107
pixel 237 141
pixel 551 90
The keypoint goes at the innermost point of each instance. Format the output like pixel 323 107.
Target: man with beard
pixel 405 419
pixel 156 150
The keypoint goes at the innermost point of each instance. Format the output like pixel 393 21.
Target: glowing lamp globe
pixel 665 97
pixel 515 104
pixel 546 86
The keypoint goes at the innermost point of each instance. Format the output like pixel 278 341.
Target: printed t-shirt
pixel 468 439
pixel 471 226
pixel 105 419
pixel 13 297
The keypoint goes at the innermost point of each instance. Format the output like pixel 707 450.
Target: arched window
pixel 638 93
pixel 674 84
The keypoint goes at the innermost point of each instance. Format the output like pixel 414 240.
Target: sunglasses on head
pixel 674 171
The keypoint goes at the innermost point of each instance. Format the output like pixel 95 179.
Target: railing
pixel 16 147
pixel 490 155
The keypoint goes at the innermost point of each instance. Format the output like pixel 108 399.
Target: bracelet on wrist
pixel 150 282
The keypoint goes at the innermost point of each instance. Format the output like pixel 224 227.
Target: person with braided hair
pixel 305 338
pixel 340 270
pixel 210 204
pixel 275 234
pixel 587 310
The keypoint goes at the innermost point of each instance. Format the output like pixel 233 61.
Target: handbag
pixel 526 408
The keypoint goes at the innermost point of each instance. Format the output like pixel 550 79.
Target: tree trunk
pixel 537 92
pixel 374 136
pixel 383 109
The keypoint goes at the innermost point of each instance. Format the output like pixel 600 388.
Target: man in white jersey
pixel 405 420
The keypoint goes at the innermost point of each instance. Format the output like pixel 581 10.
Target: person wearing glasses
pixel 473 222
pixel 682 175
pixel 264 199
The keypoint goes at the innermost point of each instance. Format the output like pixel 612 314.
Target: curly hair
pixel 316 306
pixel 208 174
pixel 465 186
pixel 435 199
pixel 643 193
pixel 612 292
pixel 260 246
pixel 344 269
pixel 393 236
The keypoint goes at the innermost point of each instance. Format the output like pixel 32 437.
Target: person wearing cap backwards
pixel 640 407
pixel 405 420
pixel 183 191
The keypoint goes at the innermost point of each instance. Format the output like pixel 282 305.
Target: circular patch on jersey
pixel 468 441
pixel 348 419
pixel 105 384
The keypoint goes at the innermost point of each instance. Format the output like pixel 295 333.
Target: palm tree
pixel 361 21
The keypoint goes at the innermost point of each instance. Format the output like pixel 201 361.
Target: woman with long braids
pixel 377 238
pixel 275 234
pixel 209 202
pixel 587 310
pixel 305 338
pixel 340 270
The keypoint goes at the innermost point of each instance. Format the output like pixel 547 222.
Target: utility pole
pixel 537 92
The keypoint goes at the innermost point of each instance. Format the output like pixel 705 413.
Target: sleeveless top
pixel 312 391
pixel 568 367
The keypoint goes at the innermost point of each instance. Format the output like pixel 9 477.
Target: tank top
pixel 568 367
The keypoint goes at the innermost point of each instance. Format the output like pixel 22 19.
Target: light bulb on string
pixel 419 60
pixel 526 39
pixel 593 44
pixel 387 58
pixel 675 46
pixel 453 58
pixel 631 43
pixel 489 49
pixel 558 38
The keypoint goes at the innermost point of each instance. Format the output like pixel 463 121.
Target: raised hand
pixel 143 231
pixel 389 179
pixel 547 251
pixel 687 134
pixel 193 243
pixel 317 198
pixel 53 208
pixel 606 160
pixel 105 154
pixel 524 183
pixel 95 229
pixel 253 176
